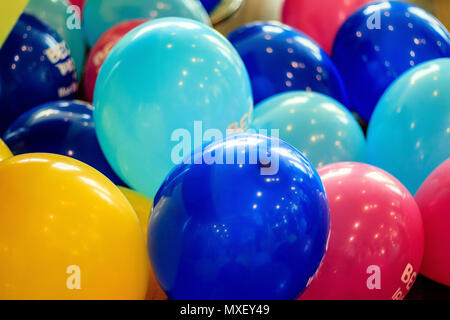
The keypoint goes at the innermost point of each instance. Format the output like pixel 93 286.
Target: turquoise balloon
pixel 56 14
pixel 317 125
pixel 156 82
pixel 409 134
pixel 100 15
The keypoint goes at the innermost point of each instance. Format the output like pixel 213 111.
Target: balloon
pixel 35 67
pixel 101 50
pixel 67 233
pixel 433 198
pixel 143 206
pixel 143 105
pixel 376 242
pixel 319 127
pixel 236 231
pixel 5 153
pixel 320 22
pixel 279 58
pixel 210 5
pixel 79 3
pixel 409 134
pixel 62 127
pixel 57 15
pixel 380 42
pixel 99 15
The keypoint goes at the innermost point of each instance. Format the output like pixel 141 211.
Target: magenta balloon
pixel 433 198
pixel 376 243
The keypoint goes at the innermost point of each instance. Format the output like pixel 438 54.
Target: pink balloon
pixel 433 198
pixel 79 3
pixel 320 20
pixel 100 52
pixel 376 242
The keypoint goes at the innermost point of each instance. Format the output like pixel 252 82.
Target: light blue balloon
pixel 317 125
pixel 100 15
pixel 409 134
pixel 58 15
pixel 158 80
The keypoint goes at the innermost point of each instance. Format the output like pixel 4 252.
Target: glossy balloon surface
pixel 35 67
pixel 321 128
pixel 67 223
pixel 376 242
pixel 141 205
pixel 158 80
pixel 101 50
pixel 409 134
pixel 58 15
pixel 433 199
pixel 380 42
pixel 320 22
pixel 5 153
pixel 99 15
pixel 235 233
pixel 63 127
pixel 279 59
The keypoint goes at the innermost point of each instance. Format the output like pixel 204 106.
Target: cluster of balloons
pixel 246 216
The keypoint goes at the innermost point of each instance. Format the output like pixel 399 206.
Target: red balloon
pixel 79 3
pixel 376 242
pixel 433 198
pixel 101 50
pixel 320 20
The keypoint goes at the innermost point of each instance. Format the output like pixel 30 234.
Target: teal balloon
pixel 101 15
pixel 58 15
pixel 162 80
pixel 409 134
pixel 321 128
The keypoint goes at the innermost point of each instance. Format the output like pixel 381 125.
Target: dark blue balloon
pixel 210 5
pixel 62 127
pixel 232 231
pixel 381 41
pixel 279 58
pixel 35 67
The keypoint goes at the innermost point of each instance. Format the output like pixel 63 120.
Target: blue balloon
pixel 279 59
pixel 35 67
pixel 62 127
pixel 210 5
pixel 155 85
pixel 409 134
pixel 380 42
pixel 321 128
pixel 101 15
pixel 62 18
pixel 228 231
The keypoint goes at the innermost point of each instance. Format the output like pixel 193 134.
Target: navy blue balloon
pixel 61 127
pixel 226 231
pixel 210 5
pixel 35 67
pixel 279 58
pixel 380 42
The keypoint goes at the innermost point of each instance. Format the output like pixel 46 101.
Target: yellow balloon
pixel 5 153
pixel 143 206
pixel 66 232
